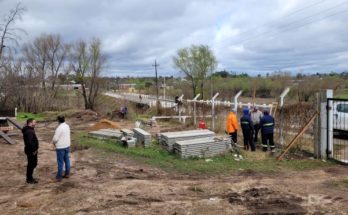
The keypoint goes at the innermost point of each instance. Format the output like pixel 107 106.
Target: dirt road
pixel 105 183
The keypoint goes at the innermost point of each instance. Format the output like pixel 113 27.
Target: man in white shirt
pixel 61 141
pixel 256 116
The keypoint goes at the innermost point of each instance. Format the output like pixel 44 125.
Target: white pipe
pixel 236 101
pixel 213 111
pixel 194 108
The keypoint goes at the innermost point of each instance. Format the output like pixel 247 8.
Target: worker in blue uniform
pixel 267 131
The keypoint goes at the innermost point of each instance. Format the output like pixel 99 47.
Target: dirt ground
pixel 105 183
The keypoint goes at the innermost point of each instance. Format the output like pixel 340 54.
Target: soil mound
pixel 104 124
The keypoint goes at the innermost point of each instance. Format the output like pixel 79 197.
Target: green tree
pixel 196 62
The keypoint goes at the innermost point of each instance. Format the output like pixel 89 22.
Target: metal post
pixel 236 101
pixel 325 125
pixel 194 109
pixel 284 93
pixel 164 91
pixel 179 111
pixel 213 111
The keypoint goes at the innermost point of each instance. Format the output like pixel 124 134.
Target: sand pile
pixel 104 124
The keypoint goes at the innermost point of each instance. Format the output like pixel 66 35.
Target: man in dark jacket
pixel 247 128
pixel 31 149
pixel 267 130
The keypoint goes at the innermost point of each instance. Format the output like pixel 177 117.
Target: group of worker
pixel 251 123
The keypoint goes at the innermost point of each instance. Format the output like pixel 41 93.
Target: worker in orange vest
pixel 232 126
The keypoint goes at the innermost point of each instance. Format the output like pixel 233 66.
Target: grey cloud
pixel 248 36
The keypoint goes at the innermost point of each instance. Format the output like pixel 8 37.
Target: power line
pixel 294 22
pixel 288 15
pixel 296 27
pixel 285 27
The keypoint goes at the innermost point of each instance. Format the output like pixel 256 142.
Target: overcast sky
pixel 250 36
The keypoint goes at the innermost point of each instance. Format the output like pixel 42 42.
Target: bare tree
pixel 36 56
pixel 46 55
pixel 7 31
pixel 56 55
pixel 96 61
pixel 87 62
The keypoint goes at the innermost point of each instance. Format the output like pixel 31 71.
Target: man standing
pixel 247 128
pixel 232 126
pixel 267 130
pixel 31 147
pixel 61 141
pixel 256 116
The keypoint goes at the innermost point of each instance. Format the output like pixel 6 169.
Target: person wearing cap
pixel 232 126
pixel 256 116
pixel 61 141
pixel 247 127
pixel 267 130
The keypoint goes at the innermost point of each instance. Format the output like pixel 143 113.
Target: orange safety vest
pixel 231 123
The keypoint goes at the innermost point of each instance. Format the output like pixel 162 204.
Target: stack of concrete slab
pixel 106 134
pixel 167 140
pixel 202 147
pixel 127 133
pixel 143 137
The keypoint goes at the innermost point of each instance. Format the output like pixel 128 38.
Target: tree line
pixel 29 74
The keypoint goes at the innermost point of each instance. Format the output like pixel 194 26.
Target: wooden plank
pixel 294 140
pixel 7 138
pixel 13 122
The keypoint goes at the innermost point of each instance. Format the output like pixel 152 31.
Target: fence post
pixel 180 101
pixel 194 109
pixel 213 111
pixel 282 96
pixel 323 137
pixel 236 101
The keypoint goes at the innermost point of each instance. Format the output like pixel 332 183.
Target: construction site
pixel 173 107
pixel 170 166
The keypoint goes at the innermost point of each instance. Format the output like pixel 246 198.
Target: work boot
pixel 32 181
pixel 66 176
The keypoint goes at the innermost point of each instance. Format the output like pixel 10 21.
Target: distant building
pixel 126 86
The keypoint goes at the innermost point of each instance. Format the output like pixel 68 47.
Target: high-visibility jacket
pixel 246 123
pixel 231 123
pixel 267 124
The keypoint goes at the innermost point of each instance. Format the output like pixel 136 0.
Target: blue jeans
pixel 63 157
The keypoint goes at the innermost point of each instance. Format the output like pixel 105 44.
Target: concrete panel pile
pixel 202 147
pixel 143 137
pixel 167 140
pixel 106 134
pixel 127 133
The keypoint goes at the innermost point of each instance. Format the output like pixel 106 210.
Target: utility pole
pixel 164 91
pixel 157 103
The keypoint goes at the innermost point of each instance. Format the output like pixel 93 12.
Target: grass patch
pixel 23 116
pixel 157 157
pixel 342 95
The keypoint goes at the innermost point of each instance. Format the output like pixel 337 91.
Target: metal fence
pixel 337 129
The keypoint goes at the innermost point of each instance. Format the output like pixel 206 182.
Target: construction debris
pixel 129 142
pixel 202 147
pixel 167 140
pixel 127 133
pixel 5 127
pixel 106 134
pixel 143 137
pixel 7 138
